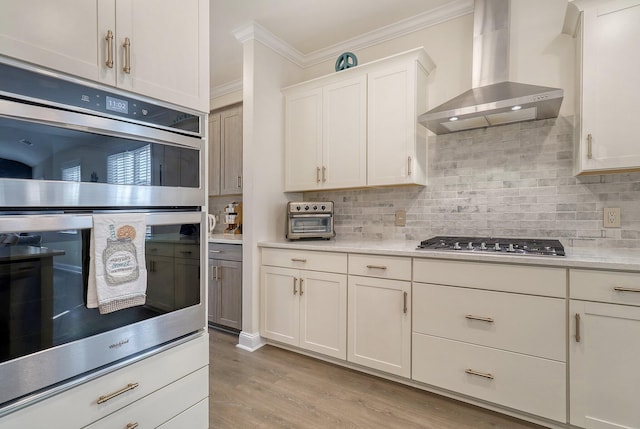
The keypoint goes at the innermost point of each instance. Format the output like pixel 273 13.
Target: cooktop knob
pixel 483 246
pixel 456 246
pixel 511 249
pixel 496 247
pixel 470 245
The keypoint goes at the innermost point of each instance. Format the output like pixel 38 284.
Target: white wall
pixel 265 72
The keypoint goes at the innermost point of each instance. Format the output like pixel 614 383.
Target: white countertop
pixel 610 259
pixel 225 238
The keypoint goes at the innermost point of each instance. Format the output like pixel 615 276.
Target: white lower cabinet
pixel 380 324
pixel 604 349
pixel 304 308
pixel 150 392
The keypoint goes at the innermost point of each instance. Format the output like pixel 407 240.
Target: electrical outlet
pixel 612 217
pixel 401 218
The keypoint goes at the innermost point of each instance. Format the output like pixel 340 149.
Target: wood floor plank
pixel 276 388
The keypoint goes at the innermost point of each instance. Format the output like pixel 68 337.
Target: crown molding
pixel 254 31
pixel 424 20
pixel 226 88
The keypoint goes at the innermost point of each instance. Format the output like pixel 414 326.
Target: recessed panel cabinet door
pixel 231 151
pixel 280 304
pixel 605 376
pixel 64 35
pixel 379 320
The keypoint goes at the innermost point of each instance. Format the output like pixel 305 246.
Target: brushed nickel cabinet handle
pixel 479 374
pixel 215 251
pixel 218 273
pixel 577 327
pixel 301 283
pixel 404 308
pixel 131 425
pixel 127 55
pixel 626 289
pixel 324 173
pixel 239 181
pixel 409 166
pixel 480 318
pixel 295 290
pixel 377 267
pixel 589 146
pixel 317 174
pixel 109 39
pixel 298 260
pixel 110 396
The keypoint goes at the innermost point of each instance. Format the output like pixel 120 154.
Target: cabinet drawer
pixel 307 260
pixel 447 363
pixel 196 417
pixel 189 251
pixel 543 281
pixel 227 252
pixel 533 325
pixel 162 405
pixel 605 286
pixel 151 374
pixel 388 267
pixel 158 249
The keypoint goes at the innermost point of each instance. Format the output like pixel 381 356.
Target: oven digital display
pixel 117 105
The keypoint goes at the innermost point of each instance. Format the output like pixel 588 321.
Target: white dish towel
pixel 117 273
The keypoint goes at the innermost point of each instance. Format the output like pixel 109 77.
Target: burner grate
pixel 511 246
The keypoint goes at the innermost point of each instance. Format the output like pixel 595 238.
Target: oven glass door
pixel 43 280
pixel 310 224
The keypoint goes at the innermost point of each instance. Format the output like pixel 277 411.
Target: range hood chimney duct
pixel 493 99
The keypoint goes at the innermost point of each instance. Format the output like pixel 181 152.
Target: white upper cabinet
pixel 358 127
pixel 608 42
pixel 156 48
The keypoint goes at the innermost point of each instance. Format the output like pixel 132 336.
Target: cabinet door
pixel 231 151
pixel 168 49
pixel 65 35
pixel 212 290
pixel 323 313
pixel 604 376
pixel 229 302
pixel 187 274
pixel 160 268
pixel 379 324
pixel 610 75
pixel 280 304
pixel 344 135
pixel 303 140
pixel 214 154
pixel 392 130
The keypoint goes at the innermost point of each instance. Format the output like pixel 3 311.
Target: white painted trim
pixel 424 20
pixel 226 88
pixel 250 342
pixel 254 31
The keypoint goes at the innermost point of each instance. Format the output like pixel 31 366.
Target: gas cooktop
pixel 509 246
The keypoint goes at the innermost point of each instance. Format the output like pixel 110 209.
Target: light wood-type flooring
pixel 276 388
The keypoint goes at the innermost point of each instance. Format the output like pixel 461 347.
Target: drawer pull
pixel 479 374
pixel 295 289
pixel 626 289
pixel 109 39
pixel 215 251
pixel 480 318
pixel 377 267
pixel 577 327
pixel 301 291
pixel 298 260
pixel 106 398
pixel 131 425
pixel 405 303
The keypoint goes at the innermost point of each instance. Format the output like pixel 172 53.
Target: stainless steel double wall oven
pixel 70 149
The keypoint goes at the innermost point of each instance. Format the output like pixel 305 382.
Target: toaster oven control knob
pixel 323 207
pixel 306 208
pixel 315 207
pixel 298 208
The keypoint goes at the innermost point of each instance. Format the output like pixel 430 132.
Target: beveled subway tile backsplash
pixel 513 181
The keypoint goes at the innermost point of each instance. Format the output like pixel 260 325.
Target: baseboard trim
pixel 250 342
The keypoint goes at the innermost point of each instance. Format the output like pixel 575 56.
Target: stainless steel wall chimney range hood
pixel 493 99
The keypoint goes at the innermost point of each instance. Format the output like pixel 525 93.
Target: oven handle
pixel 55 222
pixel 300 215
